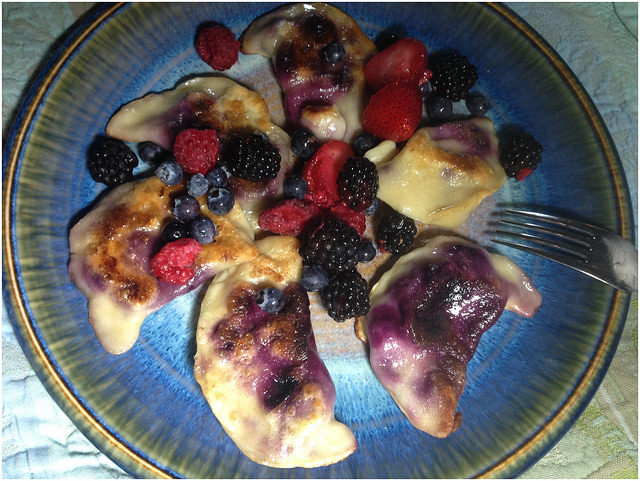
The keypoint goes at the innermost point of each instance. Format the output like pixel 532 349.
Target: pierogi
pixel 261 373
pixel 442 173
pixel 218 103
pixel 111 248
pixel 427 315
pixel 327 98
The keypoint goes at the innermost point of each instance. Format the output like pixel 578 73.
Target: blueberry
pixel 218 177
pixel 366 251
pixel 203 229
pixel 438 107
pixel 198 185
pixel 270 299
pixel 477 104
pixel 425 88
pixel 373 208
pixel 185 207
pixel 295 186
pixel 364 141
pixel 220 201
pixel 175 230
pixel 303 143
pixel 169 172
pixel 333 53
pixel 152 153
pixel 313 277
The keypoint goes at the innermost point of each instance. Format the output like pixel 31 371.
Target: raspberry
pixel 196 151
pixel 174 262
pixel 218 47
pixel 289 217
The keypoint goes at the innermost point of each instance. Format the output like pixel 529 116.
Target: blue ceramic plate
pixel 529 380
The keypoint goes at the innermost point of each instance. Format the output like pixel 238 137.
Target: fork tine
pixel 545 230
pixel 576 225
pixel 540 241
pixel 568 261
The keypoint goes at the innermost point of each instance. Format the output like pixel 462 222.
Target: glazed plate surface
pixel 529 379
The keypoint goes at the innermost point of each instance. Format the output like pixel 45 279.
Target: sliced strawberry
pixel 403 61
pixel 349 216
pixel 321 172
pixel 288 217
pixel 393 112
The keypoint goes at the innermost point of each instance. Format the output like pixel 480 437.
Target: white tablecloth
pixel 598 41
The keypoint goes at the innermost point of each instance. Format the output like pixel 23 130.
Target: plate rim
pixel 512 464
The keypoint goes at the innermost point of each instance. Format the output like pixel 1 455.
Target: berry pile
pixel 328 199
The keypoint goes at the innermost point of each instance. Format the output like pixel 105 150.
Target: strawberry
pixel 393 112
pixel 349 216
pixel 288 217
pixel 403 61
pixel 321 172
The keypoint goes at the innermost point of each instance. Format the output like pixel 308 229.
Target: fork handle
pixel 624 262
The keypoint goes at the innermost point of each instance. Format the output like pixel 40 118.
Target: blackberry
pixel 332 243
pixel 520 155
pixel 346 296
pixel 358 183
pixel 251 157
pixel 395 232
pixel 111 161
pixel 453 75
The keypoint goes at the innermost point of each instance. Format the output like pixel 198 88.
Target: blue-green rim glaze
pixel 518 460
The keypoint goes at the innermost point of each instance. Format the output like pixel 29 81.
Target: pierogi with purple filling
pixel 427 315
pixel 111 248
pixel 327 98
pixel 216 103
pixel 261 373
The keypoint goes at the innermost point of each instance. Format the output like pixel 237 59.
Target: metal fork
pixel 587 248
